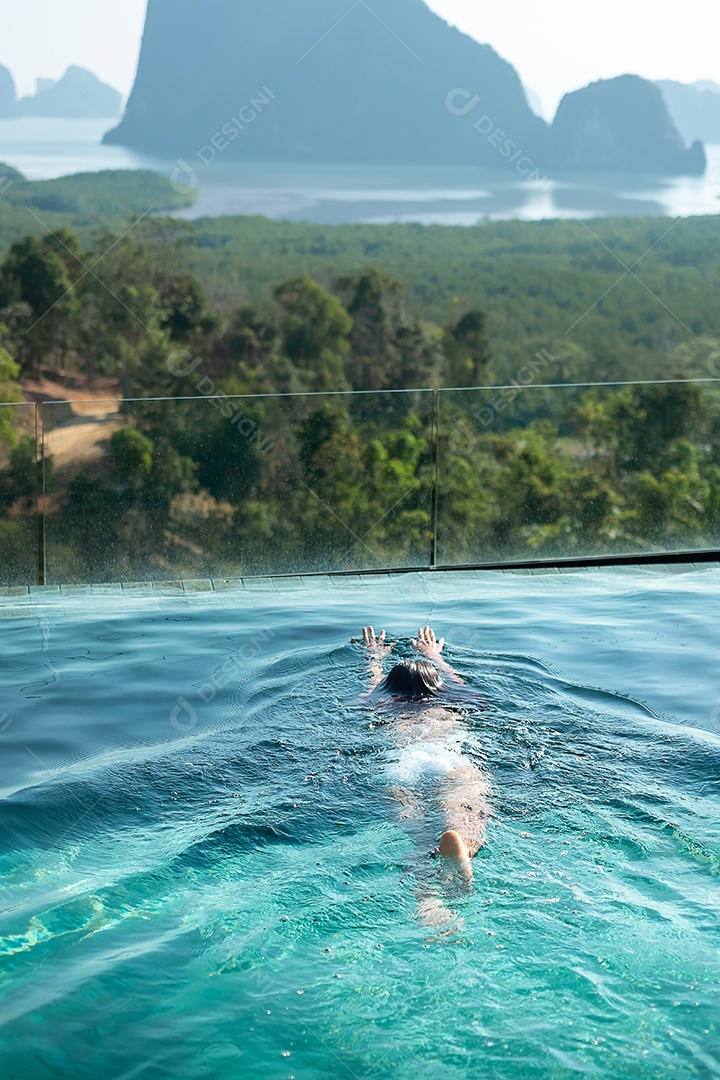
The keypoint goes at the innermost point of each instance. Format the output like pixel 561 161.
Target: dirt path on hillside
pixel 81 417
pixel 79 443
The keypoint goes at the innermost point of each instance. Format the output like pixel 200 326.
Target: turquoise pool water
pixel 204 872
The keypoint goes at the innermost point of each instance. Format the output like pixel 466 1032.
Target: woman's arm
pixel 377 649
pixel 427 643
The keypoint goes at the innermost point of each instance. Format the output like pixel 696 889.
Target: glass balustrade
pixel 225 487
pixel 20 488
pixel 538 473
pixel 219 487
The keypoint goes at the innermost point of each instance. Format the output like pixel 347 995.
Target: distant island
pixel 268 82
pixel 78 94
pixel 695 108
pixel 8 93
pixel 319 82
pixel 621 125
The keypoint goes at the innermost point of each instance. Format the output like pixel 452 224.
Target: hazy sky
pixel 557 45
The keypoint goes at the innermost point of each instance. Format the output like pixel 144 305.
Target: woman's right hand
pixel 376 646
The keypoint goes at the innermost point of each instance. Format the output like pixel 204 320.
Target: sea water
pixel 333 194
pixel 204 870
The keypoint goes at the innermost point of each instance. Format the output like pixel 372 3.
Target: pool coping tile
pixel 226 584
pixel 394 584
pixel 290 584
pixel 258 584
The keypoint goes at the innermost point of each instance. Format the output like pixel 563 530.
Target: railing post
pixel 40 491
pixel 434 467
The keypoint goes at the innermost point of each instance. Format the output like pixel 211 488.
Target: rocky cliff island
pixel 77 95
pixel 621 125
pixel 321 82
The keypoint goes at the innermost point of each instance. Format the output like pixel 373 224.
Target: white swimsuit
pixel 424 760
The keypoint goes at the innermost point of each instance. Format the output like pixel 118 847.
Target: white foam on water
pixel 423 760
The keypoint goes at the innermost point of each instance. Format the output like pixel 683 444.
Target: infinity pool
pixel 204 873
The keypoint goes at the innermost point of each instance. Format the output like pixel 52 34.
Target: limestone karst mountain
pixel 381 82
pixel 695 108
pixel 621 125
pixel 7 92
pixel 78 93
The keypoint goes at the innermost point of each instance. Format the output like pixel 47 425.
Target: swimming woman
pixel 435 731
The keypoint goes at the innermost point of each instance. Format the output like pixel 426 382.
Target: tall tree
pixel 315 328
pixel 34 273
pixel 376 304
pixel 467 350
pixel 391 349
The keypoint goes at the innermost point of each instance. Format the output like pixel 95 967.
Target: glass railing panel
pixel 531 473
pixel 225 487
pixel 18 495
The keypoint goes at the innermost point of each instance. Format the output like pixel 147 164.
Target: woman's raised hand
pixel 427 643
pixel 376 645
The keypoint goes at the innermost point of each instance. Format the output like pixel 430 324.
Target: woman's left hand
pixel 427 643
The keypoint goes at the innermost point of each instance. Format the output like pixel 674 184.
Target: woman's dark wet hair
pixel 413 679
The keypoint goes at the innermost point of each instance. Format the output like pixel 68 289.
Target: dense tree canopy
pixel 212 480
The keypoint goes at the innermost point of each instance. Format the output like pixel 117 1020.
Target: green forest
pixel 362 462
